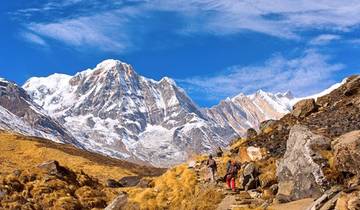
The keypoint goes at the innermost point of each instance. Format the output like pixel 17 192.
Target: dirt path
pixel 295 205
pixel 227 202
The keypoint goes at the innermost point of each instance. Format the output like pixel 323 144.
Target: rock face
pixel 300 172
pixel 19 113
pixel 304 107
pixel 347 153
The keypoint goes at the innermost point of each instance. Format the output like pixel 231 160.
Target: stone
pixel 251 133
pixel 254 153
pixel 300 172
pixel 130 181
pixel 349 201
pixel 113 183
pixel 327 200
pixel 192 164
pixel 118 203
pixel 274 188
pixel 17 173
pixel 249 178
pixel 50 166
pixel 145 183
pixel 304 108
pixel 347 153
pixel 352 86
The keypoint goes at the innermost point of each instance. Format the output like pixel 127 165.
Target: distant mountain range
pixel 114 111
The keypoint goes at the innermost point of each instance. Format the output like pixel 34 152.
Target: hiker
pixel 231 174
pixel 211 164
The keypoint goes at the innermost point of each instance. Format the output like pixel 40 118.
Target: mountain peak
pixel 114 65
pixel 168 80
pixel 109 63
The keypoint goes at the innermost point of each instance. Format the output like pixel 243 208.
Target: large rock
pixel 352 86
pixel 254 153
pixel 304 108
pixel 349 201
pixel 118 203
pixel 249 178
pixel 300 172
pixel 130 181
pixel 347 153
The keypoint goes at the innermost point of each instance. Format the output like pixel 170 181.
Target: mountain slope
pixel 112 110
pixel 243 112
pixel 18 113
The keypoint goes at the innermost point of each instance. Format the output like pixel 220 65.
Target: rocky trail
pixel 240 199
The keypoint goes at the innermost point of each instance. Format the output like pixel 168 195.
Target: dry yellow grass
pixel 18 152
pixel 176 189
pixel 238 143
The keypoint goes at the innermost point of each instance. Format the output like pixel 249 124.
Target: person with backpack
pixel 211 164
pixel 231 175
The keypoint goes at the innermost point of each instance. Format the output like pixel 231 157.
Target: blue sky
pixel 213 48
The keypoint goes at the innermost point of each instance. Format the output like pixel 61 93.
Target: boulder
pixel 300 172
pixel 130 181
pixel 251 133
pixel 50 166
pixel 327 200
pixel 118 203
pixel 113 183
pixel 304 108
pixel 145 183
pixel 249 177
pixel 352 86
pixel 254 153
pixel 192 164
pixel 349 201
pixel 347 153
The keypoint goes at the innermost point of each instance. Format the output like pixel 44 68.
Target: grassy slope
pixel 19 152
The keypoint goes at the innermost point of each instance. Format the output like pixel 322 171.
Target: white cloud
pixel 33 38
pixel 279 18
pixel 303 75
pixel 104 31
pixel 324 39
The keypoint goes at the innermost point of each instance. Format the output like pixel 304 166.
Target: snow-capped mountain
pixel 18 113
pixel 113 110
pixel 243 112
